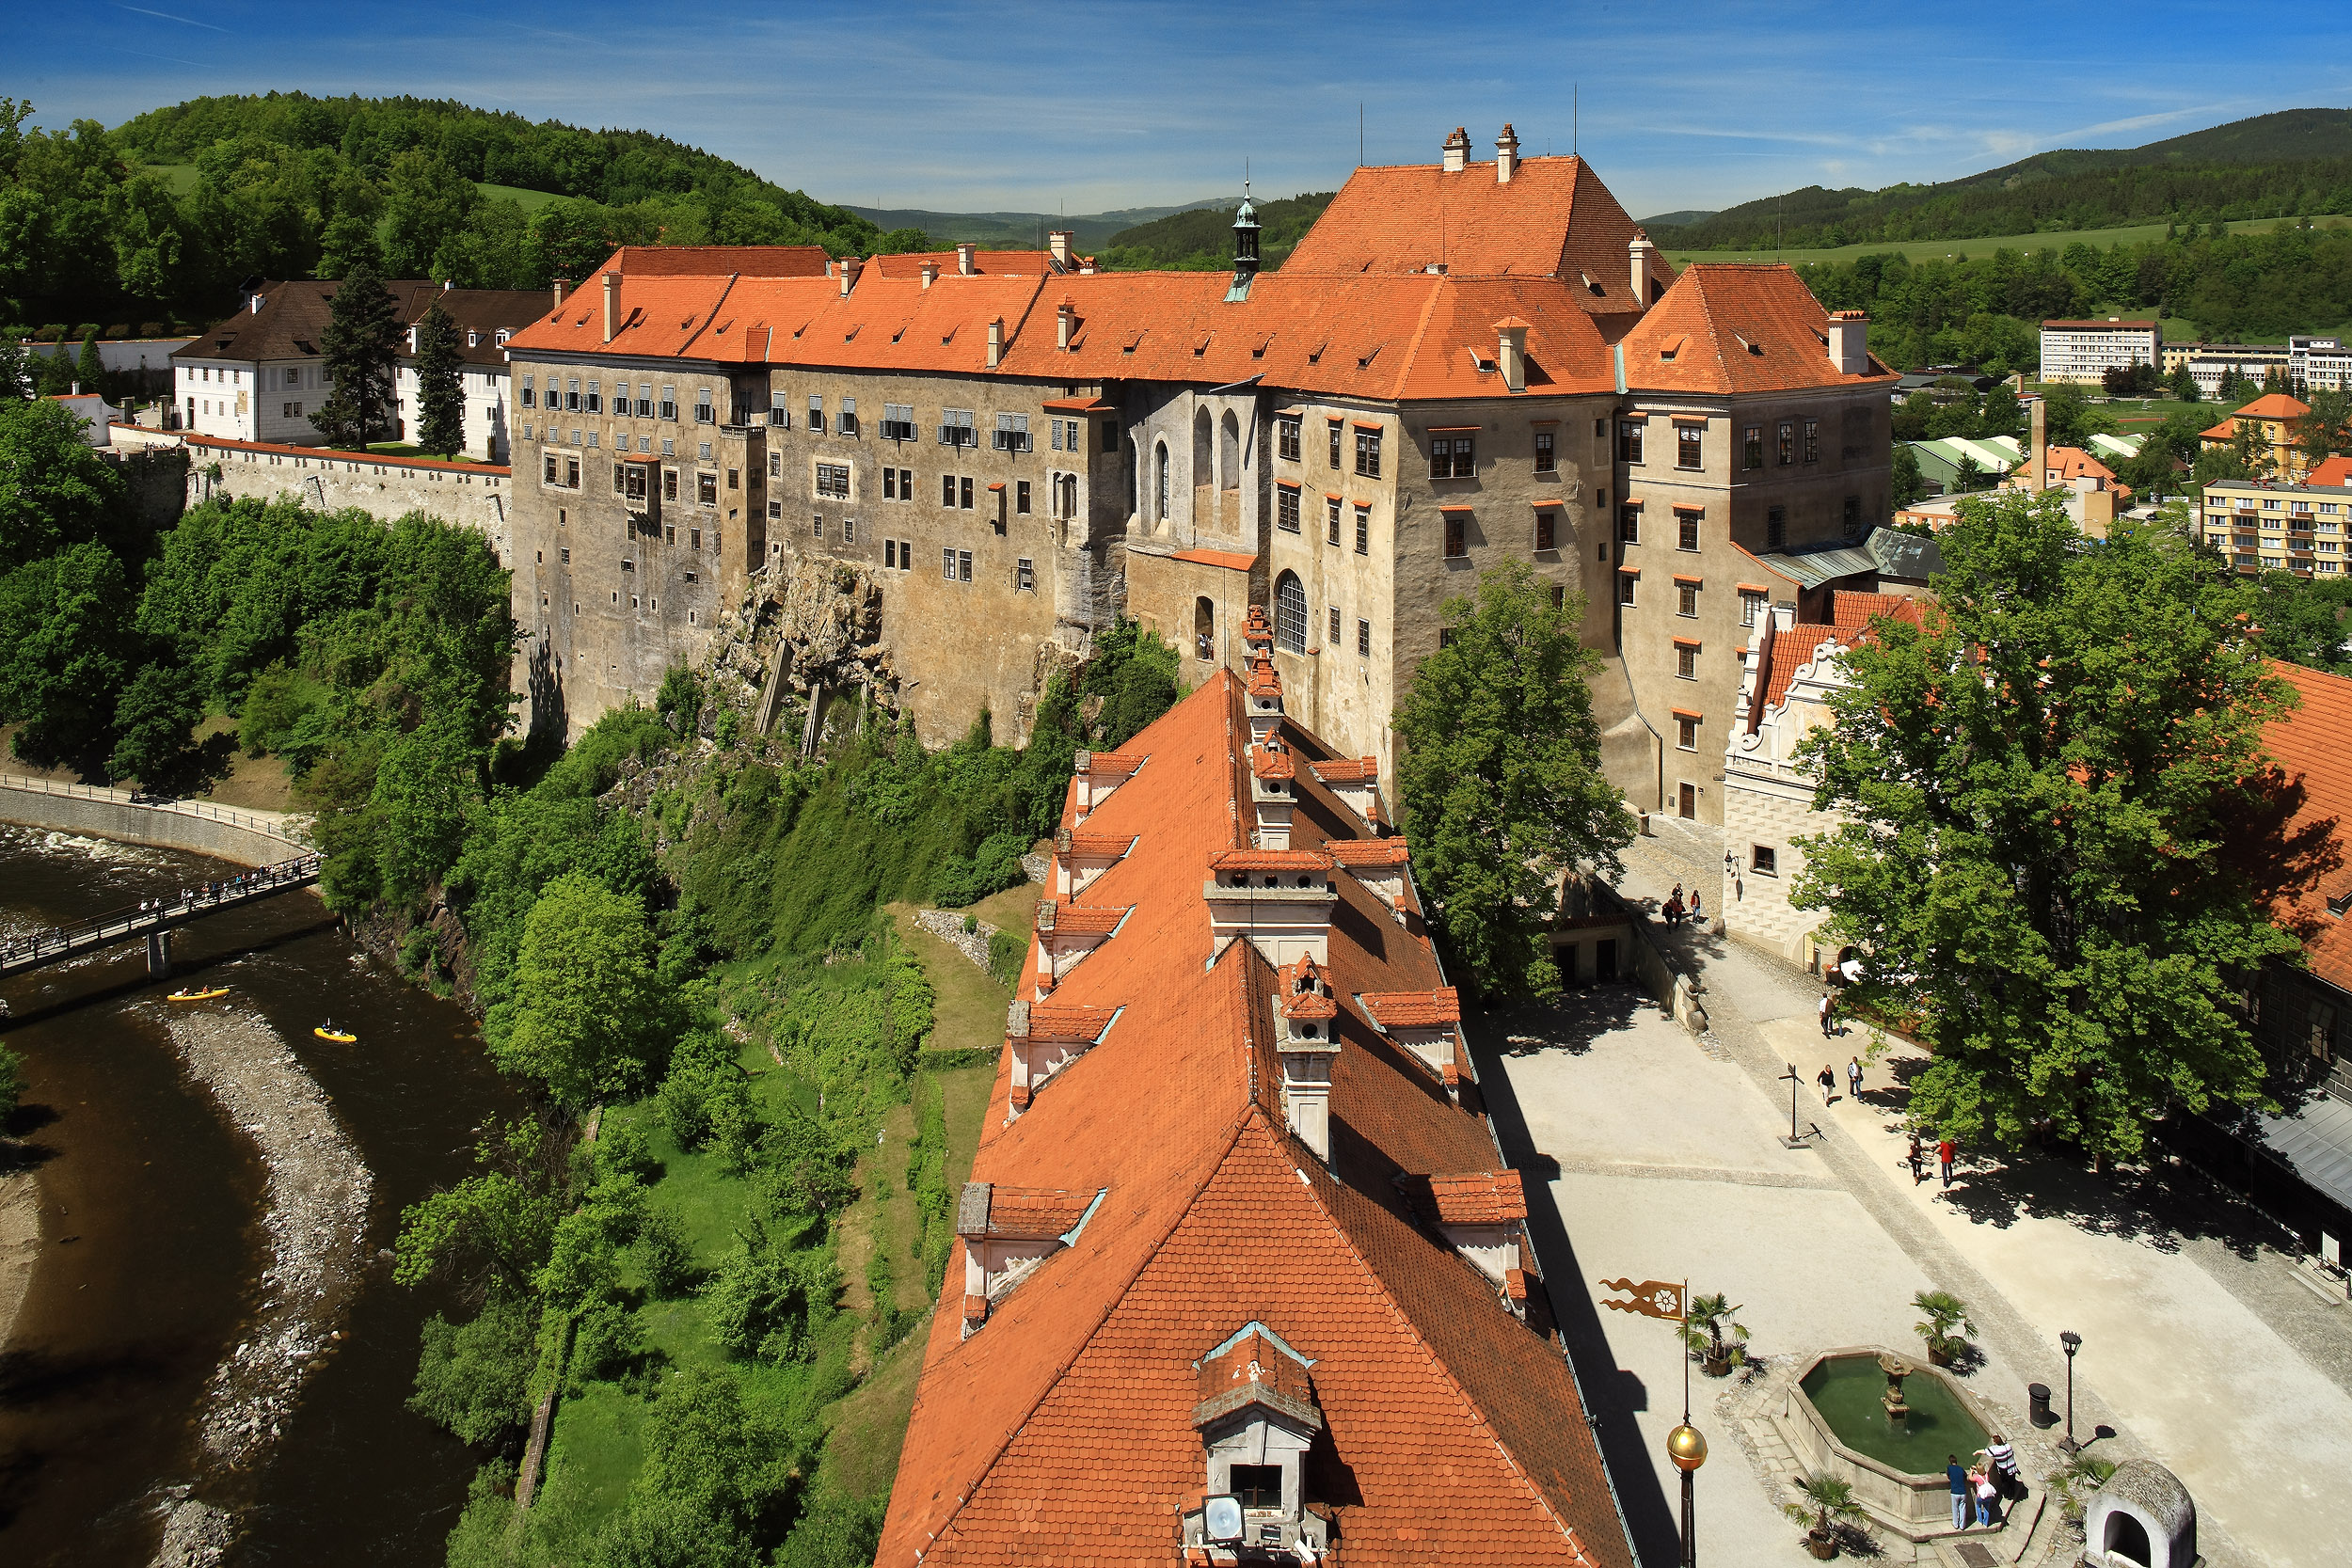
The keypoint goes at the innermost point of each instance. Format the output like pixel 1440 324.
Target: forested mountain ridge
pixel 1202 239
pixel 287 185
pixel 2293 163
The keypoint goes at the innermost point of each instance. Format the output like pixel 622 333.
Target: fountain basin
pixel 1836 1423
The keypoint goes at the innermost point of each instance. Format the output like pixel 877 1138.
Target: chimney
pixel 1305 1033
pixel 963 260
pixel 611 304
pixel 447 283
pixel 2037 452
pixel 1511 353
pixel 412 337
pixel 931 273
pixel 561 284
pixel 1506 155
pixel 1058 241
pixel 995 341
pixel 253 302
pixel 1642 254
pixel 1065 318
pixel 850 268
pixel 1457 150
pixel 1849 343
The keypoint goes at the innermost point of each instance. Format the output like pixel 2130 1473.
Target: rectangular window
pixel 849 531
pixel 1686 530
pixel 548 475
pixel 965 490
pixel 1286 508
pixel 1852 519
pixel 890 555
pixel 645 400
pixel 1451 457
pixel 704 414
pixel 1023 577
pixel 1337 425
pixel 1751 605
pixel 775 465
pixel 1629 441
pixel 1286 435
pixel 1456 535
pixel 849 415
pixel 1629 525
pixel 669 484
pixel 1787 443
pixel 1547 460
pixel 1547 529
pixel 1752 448
pixel 1012 432
pixel 964 565
pixel 668 402
pixel 906 484
pixel 571 473
pixel 1690 443
pixel 906 555
pixel 948 564
pixel 956 428
pixel 833 480
pixel 735 479
pixel 1687 598
pixel 775 512
pixel 1364 530
pixel 1330 521
pixel 572 396
pixel 620 478
pixel 1021 496
pixel 1812 440
pixel 566 556
pixel 897 422
pixel 1334 638
pixel 1363 639
pixel 1686 662
pixel 593 401
pixel 1763 860
pixel 890 485
pixel 530 395
pixel 1686 733
pixel 707 489
pixel 816 525
pixel 815 411
pixel 1776 528
pixel 946 489
pixel 1368 453
pixel 1625 589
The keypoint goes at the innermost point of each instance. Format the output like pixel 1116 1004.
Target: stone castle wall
pixel 469 494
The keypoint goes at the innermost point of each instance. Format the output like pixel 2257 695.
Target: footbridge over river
pixel 154 920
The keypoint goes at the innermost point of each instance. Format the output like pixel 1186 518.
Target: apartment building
pixel 2085 351
pixel 2274 424
pixel 2319 364
pixel 260 374
pixel 2214 366
pixel 1344 444
pixel 2261 526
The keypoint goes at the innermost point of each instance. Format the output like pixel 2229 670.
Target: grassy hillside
pixel 1201 238
pixel 2297 161
pixel 1018 230
pixel 1920 250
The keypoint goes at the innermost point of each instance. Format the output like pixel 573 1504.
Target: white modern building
pixel 2319 364
pixel 2085 351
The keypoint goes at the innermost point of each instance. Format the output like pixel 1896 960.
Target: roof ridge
pixel 716 306
pixel 1421 330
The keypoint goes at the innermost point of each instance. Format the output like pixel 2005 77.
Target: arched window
pixel 1203 628
pixel 1203 450
pixel 1160 455
pixel 1290 614
pixel 1229 455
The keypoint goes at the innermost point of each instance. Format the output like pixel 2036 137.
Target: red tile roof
pixel 1080 842
pixel 1019 264
pixel 2273 405
pixel 1233 561
pixel 1062 1430
pixel 1068 1021
pixel 1270 860
pixel 2336 471
pixel 1083 919
pixel 1750 328
pixel 1414 1009
pixel 1851 609
pixel 1369 853
pixel 2314 746
pixel 2062 462
pixel 1349 770
pixel 1477 1197
pixel 1028 1213
pixel 711 261
pixel 1792 648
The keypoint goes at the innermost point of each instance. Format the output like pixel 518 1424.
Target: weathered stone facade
pixel 471 495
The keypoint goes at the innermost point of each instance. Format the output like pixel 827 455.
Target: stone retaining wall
pixel 190 825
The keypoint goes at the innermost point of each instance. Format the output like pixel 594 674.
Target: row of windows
pixel 1290 621
pixel 1456 456
pixel 958 427
pixel 1288 433
pixel 1286 517
pixel 1687 604
pixel 1797 441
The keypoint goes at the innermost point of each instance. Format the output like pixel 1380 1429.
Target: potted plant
pixel 1940 1313
pixel 1828 1503
pixel 1710 1333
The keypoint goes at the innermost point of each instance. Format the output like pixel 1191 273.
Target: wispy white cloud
pixel 167 16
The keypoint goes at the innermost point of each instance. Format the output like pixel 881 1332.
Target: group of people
pixel 1946 1152
pixel 1979 1488
pixel 1674 910
pixel 203 893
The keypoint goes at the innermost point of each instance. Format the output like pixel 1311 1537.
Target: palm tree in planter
pixel 1707 1329
pixel 1940 1313
pixel 1828 1503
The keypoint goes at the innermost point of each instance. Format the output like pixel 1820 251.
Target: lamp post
pixel 1687 1447
pixel 2073 1343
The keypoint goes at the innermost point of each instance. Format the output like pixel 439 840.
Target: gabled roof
pixel 483 313
pixel 2310 745
pixel 1740 327
pixel 290 322
pixel 1853 611
pixel 1792 648
pixel 2335 473
pixel 1018 263
pixel 1062 1429
pixel 2273 405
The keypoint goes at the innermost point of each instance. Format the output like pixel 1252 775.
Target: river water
pixel 152 1247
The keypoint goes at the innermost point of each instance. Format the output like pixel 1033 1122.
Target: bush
pixel 991 868
pixel 1006 952
pixel 606 1339
pixel 474 1378
pixel 663 1255
pixel 971 924
pixel 767 1298
pixel 834 1531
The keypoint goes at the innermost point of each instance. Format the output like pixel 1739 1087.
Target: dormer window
pixel 1257 1417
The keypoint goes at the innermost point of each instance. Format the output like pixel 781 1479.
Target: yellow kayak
pixel 337 1035
pixel 197 996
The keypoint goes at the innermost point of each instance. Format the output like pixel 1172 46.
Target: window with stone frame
pixel 1629 434
pixel 669 484
pixel 1330 521
pixel 1686 529
pixel 1686 661
pixel 1625 588
pixel 1764 860
pixel 1368 452
pixel 1547 458
pixel 1812 440
pixel 1286 508
pixel 1364 530
pixel 1787 442
pixel 1456 535
pixel 833 480
pixel 1547 529
pixel 1453 457
pixel 707 489
pixel 1336 427
pixel 1630 524
pixel 1333 637
pixel 1290 613
pixel 1687 600
pixel 1286 436
pixel 1021 496
pixel 1690 446
pixel 1751 446
pixel 668 402
pixel 1751 607
pixel 1686 733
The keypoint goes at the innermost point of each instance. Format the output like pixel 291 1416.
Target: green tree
pixel 440 397
pixel 426 202
pixel 11 1085
pixel 1967 472
pixel 2072 420
pixel 363 332
pixel 475 1377
pixel 1910 487
pixel 2183 385
pixel 65 653
pixel 349 246
pixel 2308 621
pixel 156 719
pixel 55 490
pixel 1500 779
pixel 587 1016
pixel 2043 797
pixel 89 367
pixel 2326 430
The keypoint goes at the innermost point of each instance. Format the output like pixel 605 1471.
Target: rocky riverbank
pixel 315 1218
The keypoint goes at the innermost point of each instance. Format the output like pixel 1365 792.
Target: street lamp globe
pixel 1687 1447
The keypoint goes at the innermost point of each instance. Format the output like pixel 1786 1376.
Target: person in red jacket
pixel 1946 1152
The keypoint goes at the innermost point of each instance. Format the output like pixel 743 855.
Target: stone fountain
pixel 1897 1408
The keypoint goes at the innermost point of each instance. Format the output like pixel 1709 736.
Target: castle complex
pixel 1463 363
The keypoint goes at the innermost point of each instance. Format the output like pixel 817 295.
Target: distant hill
pixel 2293 163
pixel 1675 220
pixel 1090 231
pixel 1200 238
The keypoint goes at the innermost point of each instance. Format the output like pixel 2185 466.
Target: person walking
pixel 1853 1078
pixel 1694 906
pixel 1917 1155
pixel 1961 1490
pixel 1828 1079
pixel 1946 1152
pixel 1673 911
pixel 1826 1004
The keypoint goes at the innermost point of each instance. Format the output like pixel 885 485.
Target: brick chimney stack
pixel 1506 155
pixel 1306 1035
pixel 1849 343
pixel 931 273
pixel 995 341
pixel 1065 318
pixel 1457 150
pixel 611 304
pixel 1641 253
pixel 850 265
pixel 560 285
pixel 2038 451
pixel 1511 353
pixel 963 260
pixel 1058 241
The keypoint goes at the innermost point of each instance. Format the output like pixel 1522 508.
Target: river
pixel 154 1249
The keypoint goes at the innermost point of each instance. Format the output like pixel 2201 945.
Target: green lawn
pixel 1922 249
pixel 530 200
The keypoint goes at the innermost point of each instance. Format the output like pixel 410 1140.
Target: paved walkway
pixel 2199 1348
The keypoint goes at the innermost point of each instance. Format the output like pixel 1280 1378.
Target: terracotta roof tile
pixel 1022 1213
pixel 1271 762
pixel 1060 1021
pixel 1349 770
pixel 1479 1197
pixel 1414 1009
pixel 1369 853
pixel 1270 860
pixel 2273 405
pixel 1750 328
pixel 1082 841
pixel 1793 648
pixel 2310 746
pixel 1852 610
pixel 2335 473
pixel 1079 919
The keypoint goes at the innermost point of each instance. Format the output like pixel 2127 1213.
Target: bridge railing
pixel 284 827
pixel 160 914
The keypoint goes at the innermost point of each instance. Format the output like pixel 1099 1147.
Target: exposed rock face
pixel 808 632
pixel 196 1535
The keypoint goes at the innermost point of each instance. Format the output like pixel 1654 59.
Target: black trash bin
pixel 2038 1404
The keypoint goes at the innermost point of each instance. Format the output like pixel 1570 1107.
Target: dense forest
pixel 1201 239
pixel 155 223
pixel 2296 162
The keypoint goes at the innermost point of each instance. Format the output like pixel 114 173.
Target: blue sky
pixel 1082 106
